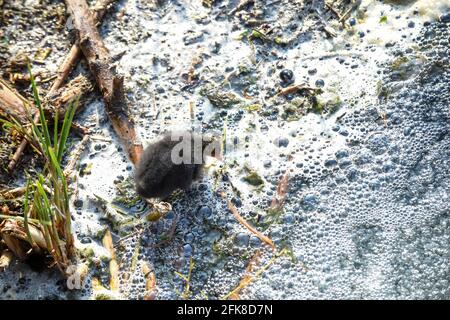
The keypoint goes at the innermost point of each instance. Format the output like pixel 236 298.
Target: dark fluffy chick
pixel 156 176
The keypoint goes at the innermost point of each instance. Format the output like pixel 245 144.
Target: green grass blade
pixel 68 118
pixel 55 128
pixel 37 100
pixel 45 201
pixel 64 133
pixel 61 179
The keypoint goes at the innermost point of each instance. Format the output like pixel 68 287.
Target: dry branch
pixel 108 80
pixel 74 54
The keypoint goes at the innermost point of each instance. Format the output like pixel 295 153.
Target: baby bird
pixel 171 163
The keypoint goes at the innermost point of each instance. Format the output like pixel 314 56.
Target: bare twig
pixel 241 220
pixel 333 9
pixel 248 278
pixel 293 89
pixel 108 80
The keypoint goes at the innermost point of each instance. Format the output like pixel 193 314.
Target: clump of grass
pixel 46 200
pixel 51 207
